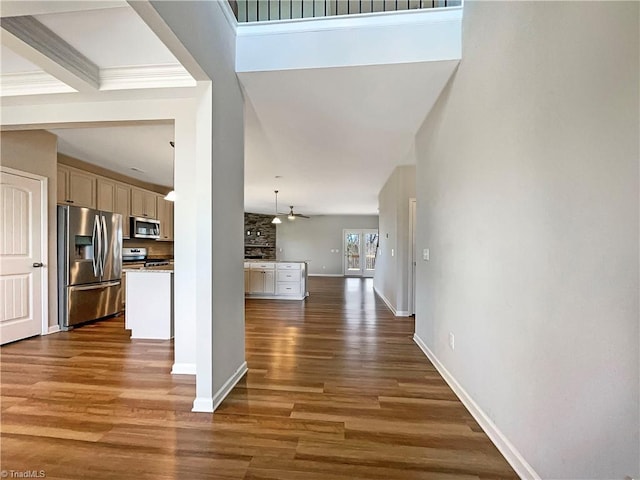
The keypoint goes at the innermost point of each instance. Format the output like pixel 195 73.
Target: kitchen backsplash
pixel 154 249
pixel 259 236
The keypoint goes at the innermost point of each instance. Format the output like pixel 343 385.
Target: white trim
pixel 210 404
pixel 183 369
pixel 411 294
pixel 397 313
pixel 44 246
pixel 502 443
pixel 229 15
pixel 204 405
pixel 326 275
pixel 340 22
pixel 31 83
pixel 145 76
pixel 52 329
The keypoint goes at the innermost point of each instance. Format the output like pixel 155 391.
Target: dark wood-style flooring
pixel 336 389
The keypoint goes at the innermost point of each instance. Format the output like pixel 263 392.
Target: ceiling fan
pixel 292 216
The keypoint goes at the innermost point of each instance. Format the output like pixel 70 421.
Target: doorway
pixel 359 246
pixel 23 254
pixel 412 256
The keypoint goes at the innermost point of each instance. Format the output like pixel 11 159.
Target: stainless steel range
pixel 139 254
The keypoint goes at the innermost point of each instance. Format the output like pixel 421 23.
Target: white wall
pixel 527 173
pixel 207 34
pixel 36 152
pixel 400 37
pixel 391 279
pixel 313 239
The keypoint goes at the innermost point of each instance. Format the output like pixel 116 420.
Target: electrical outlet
pixel 392 252
pixel 452 341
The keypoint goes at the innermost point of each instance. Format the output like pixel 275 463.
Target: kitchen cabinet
pixel 263 278
pixel 247 277
pixel 143 203
pixel 115 197
pixel 276 279
pixel 165 215
pixel 106 194
pixel 76 187
pixel 122 205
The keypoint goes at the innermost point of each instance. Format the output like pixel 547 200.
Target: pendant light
pixel 276 220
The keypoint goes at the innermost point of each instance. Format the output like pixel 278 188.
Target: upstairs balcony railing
pixel 267 10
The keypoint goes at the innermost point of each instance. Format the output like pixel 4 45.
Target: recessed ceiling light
pixel 135 169
pixel 278 176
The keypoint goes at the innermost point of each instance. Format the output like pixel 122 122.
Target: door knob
pixel 38 265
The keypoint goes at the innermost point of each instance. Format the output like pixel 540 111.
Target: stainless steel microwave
pixel 144 228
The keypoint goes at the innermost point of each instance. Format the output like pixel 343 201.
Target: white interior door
pixel 21 257
pixel 359 248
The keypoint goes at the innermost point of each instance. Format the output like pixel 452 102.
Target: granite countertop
pixel 159 269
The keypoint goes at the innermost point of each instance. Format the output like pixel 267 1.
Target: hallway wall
pixel 391 279
pixel 527 197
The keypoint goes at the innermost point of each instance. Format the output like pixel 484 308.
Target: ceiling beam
pixel 29 38
pixel 156 23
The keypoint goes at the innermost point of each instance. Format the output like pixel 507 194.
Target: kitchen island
pixel 276 279
pixel 149 309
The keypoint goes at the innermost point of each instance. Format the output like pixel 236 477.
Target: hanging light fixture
pixel 276 220
pixel 171 196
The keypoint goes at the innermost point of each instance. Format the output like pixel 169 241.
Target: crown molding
pixel 145 76
pixel 31 83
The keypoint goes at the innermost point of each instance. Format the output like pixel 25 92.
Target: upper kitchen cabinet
pixel 115 197
pixel 76 187
pixel 165 215
pixel 106 194
pixel 143 203
pixel 122 205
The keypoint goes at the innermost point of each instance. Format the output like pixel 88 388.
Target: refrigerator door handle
pixel 106 243
pixel 98 286
pixel 100 246
pixel 95 241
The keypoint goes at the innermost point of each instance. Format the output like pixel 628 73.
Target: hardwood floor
pixel 336 390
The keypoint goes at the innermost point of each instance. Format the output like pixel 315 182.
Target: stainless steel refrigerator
pixel 89 265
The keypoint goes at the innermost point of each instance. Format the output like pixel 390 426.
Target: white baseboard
pixel 502 443
pixel 397 313
pixel 183 369
pixel 326 275
pixel 210 404
pixel 204 405
pixel 53 329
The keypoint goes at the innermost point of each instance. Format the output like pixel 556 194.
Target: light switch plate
pixel 425 254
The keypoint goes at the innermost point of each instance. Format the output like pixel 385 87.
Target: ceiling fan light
pixel 276 220
pixel 291 216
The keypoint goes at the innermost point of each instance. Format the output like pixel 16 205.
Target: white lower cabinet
pixel 262 281
pixel 285 280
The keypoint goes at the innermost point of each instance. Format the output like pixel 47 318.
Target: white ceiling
pixel 333 135
pixel 93 34
pixel 123 148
